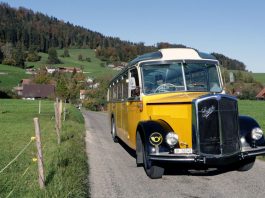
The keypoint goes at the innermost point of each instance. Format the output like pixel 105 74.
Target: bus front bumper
pixel 207 159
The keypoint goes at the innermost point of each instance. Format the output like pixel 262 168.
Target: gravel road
pixel 113 172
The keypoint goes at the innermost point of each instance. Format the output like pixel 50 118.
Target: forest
pixel 24 33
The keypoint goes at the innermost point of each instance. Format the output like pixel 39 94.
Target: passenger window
pixel 125 87
pixel 115 92
pixel 120 90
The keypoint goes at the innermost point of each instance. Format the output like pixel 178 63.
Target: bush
pixel 53 57
pixel 33 57
pixel 9 61
pixel 80 57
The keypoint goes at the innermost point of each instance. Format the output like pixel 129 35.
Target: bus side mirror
pixel 132 84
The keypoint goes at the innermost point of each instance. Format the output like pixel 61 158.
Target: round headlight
pixel 172 139
pixel 256 133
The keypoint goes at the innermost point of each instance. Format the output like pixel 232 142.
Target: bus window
pixel 125 88
pixel 135 92
pixel 114 92
pixel 119 85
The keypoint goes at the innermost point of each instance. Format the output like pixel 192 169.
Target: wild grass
pixel 66 170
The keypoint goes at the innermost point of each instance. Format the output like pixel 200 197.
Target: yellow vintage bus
pixel 170 106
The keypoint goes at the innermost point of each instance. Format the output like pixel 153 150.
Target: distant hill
pixel 260 77
pixel 229 63
pixel 27 30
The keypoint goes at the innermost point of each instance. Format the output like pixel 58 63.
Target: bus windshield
pixel 171 77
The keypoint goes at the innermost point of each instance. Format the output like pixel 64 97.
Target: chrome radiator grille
pixel 217 127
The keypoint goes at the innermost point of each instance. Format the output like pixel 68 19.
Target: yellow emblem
pixel 156 139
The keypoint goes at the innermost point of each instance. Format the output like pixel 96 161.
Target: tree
pixel 52 56
pixel 66 52
pixel 80 57
pixel 19 56
pixel 8 51
pixel 61 86
pixel 32 55
pixel 1 55
pixel 42 77
pixel 68 87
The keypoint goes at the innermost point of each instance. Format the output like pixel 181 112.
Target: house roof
pixel 26 81
pixel 38 91
pixel 83 91
pixel 261 94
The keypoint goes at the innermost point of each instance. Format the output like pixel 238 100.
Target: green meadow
pixel 253 108
pixel 93 68
pixel 10 76
pixel 65 165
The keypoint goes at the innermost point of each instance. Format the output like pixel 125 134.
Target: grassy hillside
pixel 259 77
pixel 93 68
pixel 65 165
pixel 10 76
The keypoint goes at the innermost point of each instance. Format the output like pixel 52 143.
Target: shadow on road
pixel 127 148
pixel 183 169
pixel 191 170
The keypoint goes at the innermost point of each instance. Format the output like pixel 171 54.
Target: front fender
pixel 147 128
pixel 246 124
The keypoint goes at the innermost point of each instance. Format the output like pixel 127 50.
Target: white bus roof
pixel 174 54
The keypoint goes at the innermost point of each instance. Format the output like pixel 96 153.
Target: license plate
pixel 181 151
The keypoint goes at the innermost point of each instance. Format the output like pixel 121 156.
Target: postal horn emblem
pixel 156 138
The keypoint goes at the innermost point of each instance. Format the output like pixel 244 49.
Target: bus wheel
pixel 152 170
pixel 246 164
pixel 113 130
pixel 139 148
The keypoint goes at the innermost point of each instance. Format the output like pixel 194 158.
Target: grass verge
pixel 66 170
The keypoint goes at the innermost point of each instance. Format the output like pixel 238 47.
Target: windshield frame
pixel 182 62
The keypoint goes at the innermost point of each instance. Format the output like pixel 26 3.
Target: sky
pixel 235 28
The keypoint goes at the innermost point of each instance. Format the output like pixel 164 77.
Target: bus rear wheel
pixel 113 130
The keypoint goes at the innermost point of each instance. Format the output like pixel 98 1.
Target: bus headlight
pixel 172 139
pixel 256 133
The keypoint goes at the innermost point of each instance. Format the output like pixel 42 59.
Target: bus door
pixel 124 109
pixel 119 110
pixel 132 104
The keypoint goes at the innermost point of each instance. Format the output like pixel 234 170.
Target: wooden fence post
pixel 39 106
pixel 60 109
pixel 57 128
pixel 39 153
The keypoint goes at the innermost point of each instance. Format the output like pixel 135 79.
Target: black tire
pixel 246 164
pixel 139 152
pixel 113 131
pixel 152 170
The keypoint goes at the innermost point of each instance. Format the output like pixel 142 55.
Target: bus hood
pixel 173 97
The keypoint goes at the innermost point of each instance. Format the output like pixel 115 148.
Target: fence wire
pixel 12 161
